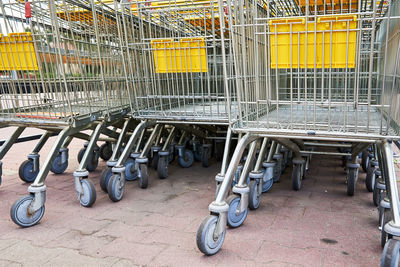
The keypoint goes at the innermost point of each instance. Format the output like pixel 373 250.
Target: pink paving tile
pixel 270 251
pixel 138 253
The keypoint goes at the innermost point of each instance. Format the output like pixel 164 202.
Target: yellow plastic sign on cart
pixel 186 55
pixel 328 42
pixel 17 52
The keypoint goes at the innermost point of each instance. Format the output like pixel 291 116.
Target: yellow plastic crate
pixel 186 55
pixel 292 53
pixel 207 23
pixel 17 52
pixel 344 4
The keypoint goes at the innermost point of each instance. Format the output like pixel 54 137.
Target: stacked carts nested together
pixel 62 71
pixel 315 77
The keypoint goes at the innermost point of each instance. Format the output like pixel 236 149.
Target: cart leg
pixel 116 184
pixel 60 163
pixel 185 156
pixel 107 172
pixel 29 210
pixel 29 168
pixel 7 145
pixel 83 185
pixel 163 156
pixel 392 227
pixel 220 176
pixel 217 221
pixel 352 167
pixel 256 178
pixel 298 161
pixel 391 251
pixel 117 148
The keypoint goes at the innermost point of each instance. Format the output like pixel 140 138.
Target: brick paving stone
pixel 138 253
pixel 271 251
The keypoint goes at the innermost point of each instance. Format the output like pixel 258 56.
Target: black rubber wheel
pixel 93 160
pixel 197 151
pixel 370 179
pixel 26 172
pixel 143 176
pixel 365 160
pixel 187 159
pixel 105 151
pixel 387 217
pixel 206 242
pixel 351 181
pixel 88 198
pixel 171 155
pixel 105 178
pixel 19 212
pixel 254 196
pixel 155 160
pixel 391 254
pixel 296 176
pixel 205 157
pixel 115 191
pixel 162 167
pixel 80 154
pixel 235 220
pixel 277 172
pixel 57 167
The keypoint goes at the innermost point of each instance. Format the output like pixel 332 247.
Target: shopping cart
pixel 64 74
pixel 175 58
pixel 310 74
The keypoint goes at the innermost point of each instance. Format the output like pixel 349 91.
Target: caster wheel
pixel 351 181
pixel 267 185
pixel 391 254
pixel 88 196
pixel 254 197
pixel 162 167
pixel 143 176
pixel 155 160
pixel 58 167
pixel 187 160
pixel 296 176
pixel 93 160
pixel 277 173
pixel 205 157
pixel 80 154
pixel 171 155
pixel 105 151
pixel 26 172
pixel 365 160
pixel 198 152
pixel 205 239
pixel 105 178
pixel 235 220
pixel 130 172
pixel 19 212
pixel 370 179
pixel 387 217
pixel 114 189
pixel 376 196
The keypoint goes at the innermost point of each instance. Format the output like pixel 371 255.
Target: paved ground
pixel 318 226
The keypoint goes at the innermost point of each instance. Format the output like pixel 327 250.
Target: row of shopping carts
pixel 160 79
